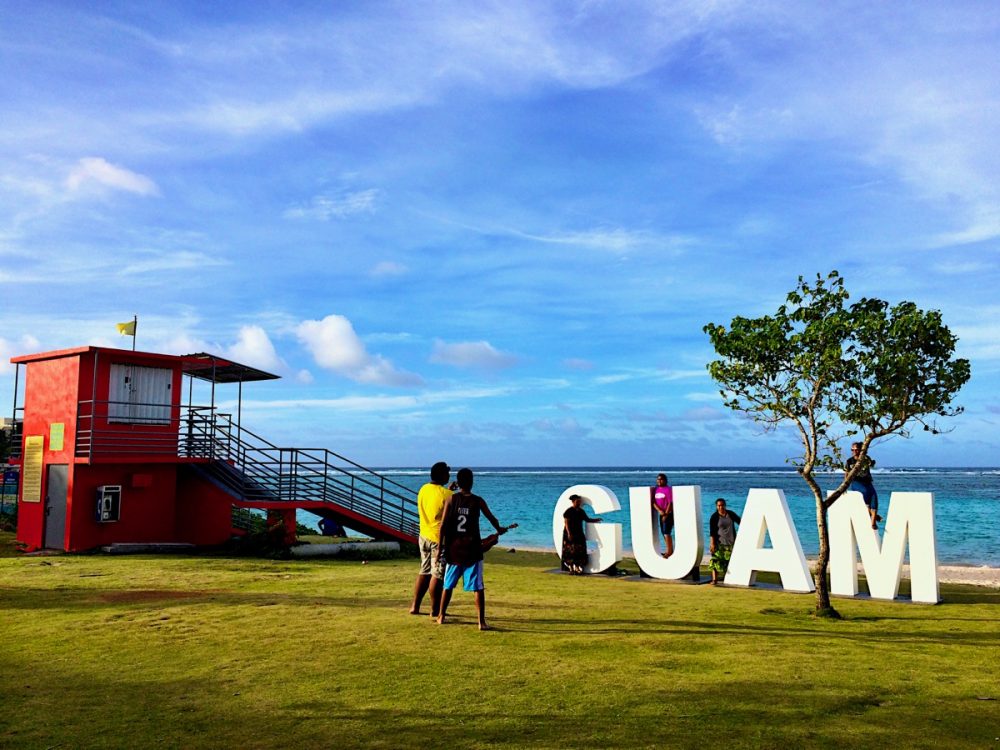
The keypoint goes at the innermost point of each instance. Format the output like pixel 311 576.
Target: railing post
pixel 326 472
pixel 281 473
pixel 212 427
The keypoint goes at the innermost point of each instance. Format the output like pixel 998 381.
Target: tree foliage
pixel 828 368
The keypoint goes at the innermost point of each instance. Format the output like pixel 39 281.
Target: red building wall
pixel 204 511
pixel 50 395
pixel 148 501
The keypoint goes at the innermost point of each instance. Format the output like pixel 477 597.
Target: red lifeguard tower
pixel 109 454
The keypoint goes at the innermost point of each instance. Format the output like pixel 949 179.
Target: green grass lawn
pixel 213 652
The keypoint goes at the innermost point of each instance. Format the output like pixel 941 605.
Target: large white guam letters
pixel 850 531
pixel 607 535
pixel 910 518
pixel 766 512
pixel 690 544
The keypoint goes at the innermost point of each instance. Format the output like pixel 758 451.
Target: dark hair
pixel 574 498
pixel 464 479
pixel 720 500
pixel 662 475
pixel 440 472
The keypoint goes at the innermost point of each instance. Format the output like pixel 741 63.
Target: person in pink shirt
pixel 662 499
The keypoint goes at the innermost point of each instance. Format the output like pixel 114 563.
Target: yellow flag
pixel 127 329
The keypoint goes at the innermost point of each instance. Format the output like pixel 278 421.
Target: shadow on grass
pixel 229 712
pixel 688 627
pixel 541 620
pixel 90 599
pixel 972 595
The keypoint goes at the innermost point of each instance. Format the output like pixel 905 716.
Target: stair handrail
pixel 328 452
pixel 396 501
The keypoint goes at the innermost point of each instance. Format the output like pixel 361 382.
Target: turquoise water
pixel 966 501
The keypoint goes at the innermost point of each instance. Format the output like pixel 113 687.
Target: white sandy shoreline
pixel 973 575
pixel 976 576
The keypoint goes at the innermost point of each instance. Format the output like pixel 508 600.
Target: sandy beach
pixel 968 574
pixel 976 576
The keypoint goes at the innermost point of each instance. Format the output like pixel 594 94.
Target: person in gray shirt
pixel 722 530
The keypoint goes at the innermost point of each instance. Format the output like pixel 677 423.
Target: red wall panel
pixel 50 395
pixel 148 514
pixel 204 511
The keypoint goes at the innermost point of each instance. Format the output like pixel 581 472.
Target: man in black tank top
pixel 462 545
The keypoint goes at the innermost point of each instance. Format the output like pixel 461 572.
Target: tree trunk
pixel 823 606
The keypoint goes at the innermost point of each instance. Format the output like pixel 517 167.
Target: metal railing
pixel 256 470
pixel 15 434
pixel 104 429
pixel 249 466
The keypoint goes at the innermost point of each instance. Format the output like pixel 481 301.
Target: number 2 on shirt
pixel 460 526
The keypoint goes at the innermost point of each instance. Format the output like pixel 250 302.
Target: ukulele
pixel 490 541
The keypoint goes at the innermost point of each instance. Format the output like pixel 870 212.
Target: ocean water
pixel 966 501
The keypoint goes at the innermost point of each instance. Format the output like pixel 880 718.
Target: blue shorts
pixel 867 490
pixel 667 523
pixel 471 576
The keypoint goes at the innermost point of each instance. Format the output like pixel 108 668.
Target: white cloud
pixel 381 402
pixel 182 343
pixel 703 414
pixel 253 347
pixel 389 268
pixel 26 344
pixel 170 261
pixel 480 354
pixel 980 341
pixel 265 80
pixel 610 379
pixel 100 171
pixel 335 346
pixel 909 99
pixel 567 426
pixel 651 375
pixel 706 397
pixel 305 377
pixel 671 375
pixel 618 240
pixel 324 207
pixel 957 267
pixel 282 113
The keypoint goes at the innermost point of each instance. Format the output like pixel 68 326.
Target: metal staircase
pixel 259 473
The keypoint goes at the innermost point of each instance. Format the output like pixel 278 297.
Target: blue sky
pixel 493 232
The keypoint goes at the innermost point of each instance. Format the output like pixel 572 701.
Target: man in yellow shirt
pixel 430 504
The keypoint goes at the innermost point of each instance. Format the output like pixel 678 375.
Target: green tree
pixel 825 369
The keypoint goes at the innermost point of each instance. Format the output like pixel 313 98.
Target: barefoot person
pixel 863 481
pixel 662 498
pixel 722 536
pixel 430 505
pixel 574 541
pixel 462 546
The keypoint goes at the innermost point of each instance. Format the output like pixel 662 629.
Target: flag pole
pixel 135 329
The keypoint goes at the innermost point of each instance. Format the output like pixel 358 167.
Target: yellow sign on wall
pixel 57 432
pixel 31 469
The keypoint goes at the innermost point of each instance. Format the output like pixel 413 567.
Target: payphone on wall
pixel 109 502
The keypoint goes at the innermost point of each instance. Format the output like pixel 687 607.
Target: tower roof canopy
pixel 212 368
